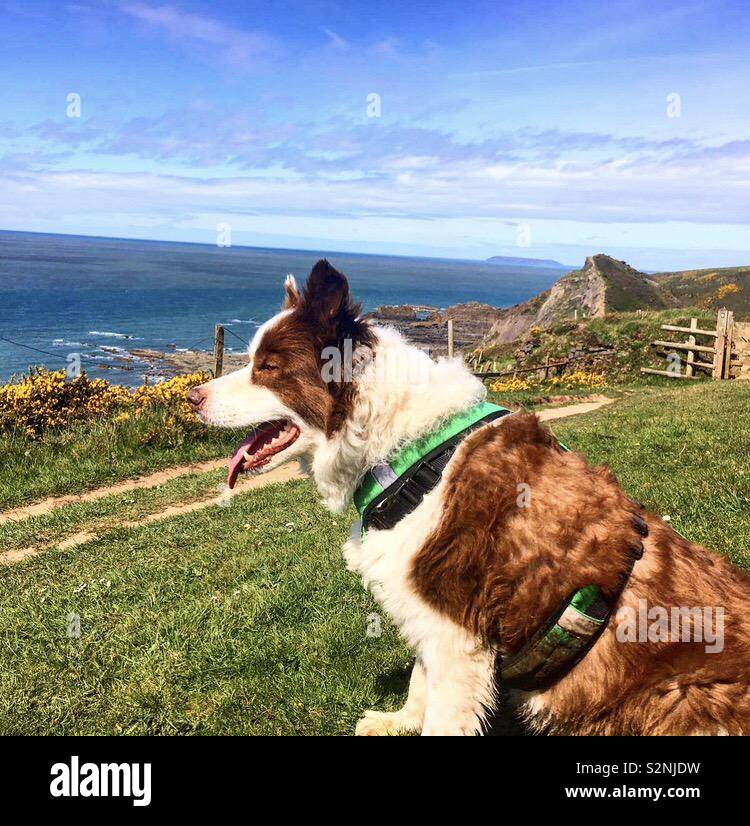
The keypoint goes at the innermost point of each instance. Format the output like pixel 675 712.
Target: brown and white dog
pixel 469 572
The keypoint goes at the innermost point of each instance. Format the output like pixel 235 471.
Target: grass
pixel 90 454
pixel 243 620
pixel 238 620
pixel 682 452
pixel 100 514
pixel 629 334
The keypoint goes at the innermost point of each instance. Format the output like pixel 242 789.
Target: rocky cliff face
pixel 602 285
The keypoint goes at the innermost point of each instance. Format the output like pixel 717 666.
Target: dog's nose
pixel 196 397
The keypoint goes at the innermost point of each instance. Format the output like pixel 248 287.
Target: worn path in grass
pixel 571 410
pixel 82 537
pixel 154 480
pixel 88 533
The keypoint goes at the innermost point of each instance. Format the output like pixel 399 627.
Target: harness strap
pixel 393 489
pixel 560 643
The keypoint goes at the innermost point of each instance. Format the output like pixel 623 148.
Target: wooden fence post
pixel 218 351
pixel 727 374
pixel 450 338
pixel 691 354
pixel 721 345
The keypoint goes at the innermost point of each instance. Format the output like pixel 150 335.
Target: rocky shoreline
pixel 424 326
pixel 427 327
pixel 174 363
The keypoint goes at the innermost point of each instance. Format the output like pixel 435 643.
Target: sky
pixel 464 130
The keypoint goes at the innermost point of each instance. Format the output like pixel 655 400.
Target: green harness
pixel 393 489
pixel 387 474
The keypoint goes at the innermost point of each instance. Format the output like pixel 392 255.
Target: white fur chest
pixel 384 560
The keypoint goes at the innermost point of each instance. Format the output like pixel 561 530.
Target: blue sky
pixel 540 129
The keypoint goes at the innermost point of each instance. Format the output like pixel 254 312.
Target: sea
pixel 104 297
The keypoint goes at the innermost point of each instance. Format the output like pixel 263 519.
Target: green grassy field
pixel 243 619
pixel 91 454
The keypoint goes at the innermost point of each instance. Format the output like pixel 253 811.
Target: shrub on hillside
pixel 578 380
pixel 44 399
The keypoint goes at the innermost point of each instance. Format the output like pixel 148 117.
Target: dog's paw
pixel 384 724
pixel 352 552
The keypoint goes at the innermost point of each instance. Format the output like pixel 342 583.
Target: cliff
pixel 602 285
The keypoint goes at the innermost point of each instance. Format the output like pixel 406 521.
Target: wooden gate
pixel 714 354
pixel 741 350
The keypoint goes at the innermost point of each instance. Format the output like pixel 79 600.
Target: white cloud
pixel 235 46
pixel 336 39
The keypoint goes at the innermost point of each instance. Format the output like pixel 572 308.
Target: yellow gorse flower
pixel 512 385
pixel 44 399
pixel 576 380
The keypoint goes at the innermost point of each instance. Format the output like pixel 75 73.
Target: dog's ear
pixel 327 305
pixel 291 293
pixel 326 292
pixel 326 302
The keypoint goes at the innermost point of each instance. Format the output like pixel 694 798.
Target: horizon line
pixel 325 251
pixel 278 249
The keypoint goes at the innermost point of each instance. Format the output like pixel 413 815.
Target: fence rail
pixel 720 365
pixel 693 330
pixel 550 365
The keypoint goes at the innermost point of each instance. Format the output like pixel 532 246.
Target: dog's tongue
pixel 236 462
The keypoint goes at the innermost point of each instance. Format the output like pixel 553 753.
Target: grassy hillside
pixel 244 620
pixel 628 290
pixel 605 286
pixel 602 286
pixel 628 334
pixel 710 289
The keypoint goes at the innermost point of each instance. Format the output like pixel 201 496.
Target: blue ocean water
pixel 101 297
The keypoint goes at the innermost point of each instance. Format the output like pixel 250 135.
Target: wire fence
pixel 205 343
pixel 57 356
pixel 64 357
pixel 231 332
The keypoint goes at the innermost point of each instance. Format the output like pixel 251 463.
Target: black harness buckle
pixel 405 494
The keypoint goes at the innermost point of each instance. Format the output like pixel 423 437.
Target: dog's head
pixel 286 395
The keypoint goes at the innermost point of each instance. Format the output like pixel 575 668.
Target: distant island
pixel 510 261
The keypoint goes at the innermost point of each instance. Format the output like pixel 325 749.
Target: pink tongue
pixel 238 459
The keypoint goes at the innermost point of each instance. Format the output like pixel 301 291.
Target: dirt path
pixel 153 480
pixel 571 410
pixel 282 474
